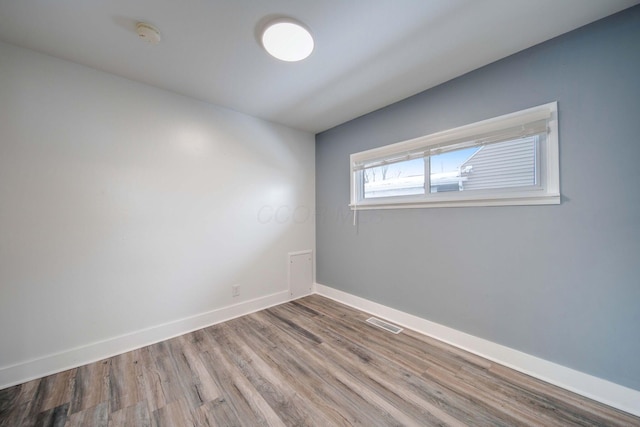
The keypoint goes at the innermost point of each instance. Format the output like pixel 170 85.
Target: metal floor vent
pixel 384 325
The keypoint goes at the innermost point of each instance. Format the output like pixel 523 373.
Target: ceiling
pixel 368 54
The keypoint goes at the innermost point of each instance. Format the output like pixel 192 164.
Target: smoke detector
pixel 148 32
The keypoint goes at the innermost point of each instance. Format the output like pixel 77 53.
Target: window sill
pixel 547 199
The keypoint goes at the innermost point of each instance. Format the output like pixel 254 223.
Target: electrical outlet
pixel 235 290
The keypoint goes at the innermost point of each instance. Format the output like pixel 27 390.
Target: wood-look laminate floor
pixel 308 362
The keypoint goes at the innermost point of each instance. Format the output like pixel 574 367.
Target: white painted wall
pixel 124 207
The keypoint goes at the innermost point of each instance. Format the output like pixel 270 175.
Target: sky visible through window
pixel 451 161
pixel 441 163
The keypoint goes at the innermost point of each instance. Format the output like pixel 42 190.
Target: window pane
pixel 501 165
pixel 397 179
pixel 445 170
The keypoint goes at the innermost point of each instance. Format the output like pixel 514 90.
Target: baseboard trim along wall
pixel 615 395
pixel 58 362
pixel 604 391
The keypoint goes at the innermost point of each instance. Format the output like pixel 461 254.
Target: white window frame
pixel 547 190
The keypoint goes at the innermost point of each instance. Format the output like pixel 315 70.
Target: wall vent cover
pixel 384 325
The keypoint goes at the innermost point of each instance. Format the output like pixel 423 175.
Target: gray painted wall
pixel 559 282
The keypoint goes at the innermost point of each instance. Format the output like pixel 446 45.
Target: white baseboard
pixel 615 395
pixel 58 362
pixel 604 391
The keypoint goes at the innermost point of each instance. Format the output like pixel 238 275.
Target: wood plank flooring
pixel 310 362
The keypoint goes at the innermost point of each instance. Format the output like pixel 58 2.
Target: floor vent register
pixel 384 325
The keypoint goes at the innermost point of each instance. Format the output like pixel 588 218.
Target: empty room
pixel 320 213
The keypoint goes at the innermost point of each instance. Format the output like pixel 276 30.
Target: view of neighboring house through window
pixel 512 159
pixel 446 170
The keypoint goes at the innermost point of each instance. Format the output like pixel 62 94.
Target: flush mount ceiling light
pixel 287 40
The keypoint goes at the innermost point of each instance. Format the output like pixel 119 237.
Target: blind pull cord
pixel 355 201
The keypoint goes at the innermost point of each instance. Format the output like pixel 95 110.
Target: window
pixel 507 160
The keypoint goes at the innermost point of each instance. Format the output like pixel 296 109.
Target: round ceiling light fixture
pixel 287 40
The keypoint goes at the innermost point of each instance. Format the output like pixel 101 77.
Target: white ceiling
pixel 368 54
